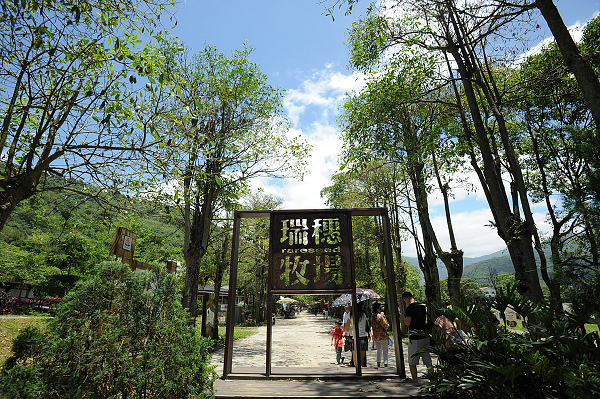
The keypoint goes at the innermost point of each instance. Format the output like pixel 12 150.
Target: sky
pixel 302 50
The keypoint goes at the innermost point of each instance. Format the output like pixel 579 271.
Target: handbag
pixel 347 344
pixel 390 341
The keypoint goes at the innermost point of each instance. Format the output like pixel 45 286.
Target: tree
pixel 503 12
pixel 580 67
pixel 222 125
pixel 463 33
pixel 557 140
pixel 396 117
pixel 63 75
pixel 254 253
pixel 118 334
pixel 372 184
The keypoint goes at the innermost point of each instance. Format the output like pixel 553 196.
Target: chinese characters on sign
pixel 310 251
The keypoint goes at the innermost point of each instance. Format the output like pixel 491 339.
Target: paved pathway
pixel 304 341
pixel 301 347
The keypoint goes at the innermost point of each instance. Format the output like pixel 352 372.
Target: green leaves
pixel 504 364
pixel 118 333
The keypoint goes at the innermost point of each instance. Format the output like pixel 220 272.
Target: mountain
pixel 482 267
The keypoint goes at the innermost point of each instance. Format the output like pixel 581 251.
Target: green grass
pixel 9 329
pixel 588 327
pixel 518 327
pixel 238 332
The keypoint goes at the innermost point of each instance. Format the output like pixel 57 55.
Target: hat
pixel 338 322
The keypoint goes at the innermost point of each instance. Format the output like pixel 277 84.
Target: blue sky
pixel 302 51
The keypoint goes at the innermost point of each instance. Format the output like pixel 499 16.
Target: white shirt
pixel 362 326
pixel 344 320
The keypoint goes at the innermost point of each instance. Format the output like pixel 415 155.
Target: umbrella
pixel 288 301
pixel 362 294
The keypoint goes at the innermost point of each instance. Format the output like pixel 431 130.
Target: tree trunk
pixel 453 260
pixel 194 251
pixel 221 267
pixel 514 232
pixel 429 261
pixel 13 190
pixel 577 64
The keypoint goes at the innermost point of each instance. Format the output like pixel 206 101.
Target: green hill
pixel 481 268
pixel 60 232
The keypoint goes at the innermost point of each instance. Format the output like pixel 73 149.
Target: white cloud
pixel 347 83
pixel 322 164
pixel 322 92
pixel 473 232
pixel 325 90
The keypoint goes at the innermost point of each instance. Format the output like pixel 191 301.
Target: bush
pixel 57 285
pixel 15 306
pixel 118 334
pixel 553 358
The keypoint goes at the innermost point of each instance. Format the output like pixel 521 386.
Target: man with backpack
pixel 416 320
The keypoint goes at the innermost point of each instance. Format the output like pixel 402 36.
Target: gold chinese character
pixel 292 273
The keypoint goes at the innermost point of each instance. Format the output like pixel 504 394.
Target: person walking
pixel 416 320
pixel 348 341
pixel 337 338
pixel 363 334
pixel 380 336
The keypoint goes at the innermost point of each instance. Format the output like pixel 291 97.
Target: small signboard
pixel 127 243
pixel 310 250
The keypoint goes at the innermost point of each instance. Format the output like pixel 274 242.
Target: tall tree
pixel 506 11
pixel 395 118
pixel 222 125
pixel 464 32
pixel 63 73
pixel 581 68
pixel 556 127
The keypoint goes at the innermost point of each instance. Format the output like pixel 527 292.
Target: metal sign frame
pixel 293 252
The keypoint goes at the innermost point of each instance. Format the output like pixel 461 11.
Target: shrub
pixel 15 306
pixel 4 298
pixel 117 334
pixel 553 358
pixel 57 285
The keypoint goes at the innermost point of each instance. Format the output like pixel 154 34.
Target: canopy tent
pixel 362 294
pixel 288 301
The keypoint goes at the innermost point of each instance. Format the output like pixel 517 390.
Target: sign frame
pixel 389 274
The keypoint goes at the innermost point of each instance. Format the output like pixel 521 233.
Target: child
pixel 337 340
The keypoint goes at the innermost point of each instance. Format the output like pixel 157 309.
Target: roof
pixel 210 289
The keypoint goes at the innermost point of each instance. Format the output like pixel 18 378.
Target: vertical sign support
pixel 235 245
pixel 393 296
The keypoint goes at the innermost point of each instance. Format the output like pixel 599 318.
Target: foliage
pixel 54 238
pixel 63 76
pixel 554 358
pixel 118 333
pixel 222 125
pixel 469 290
pixel 56 285
pixel 20 265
